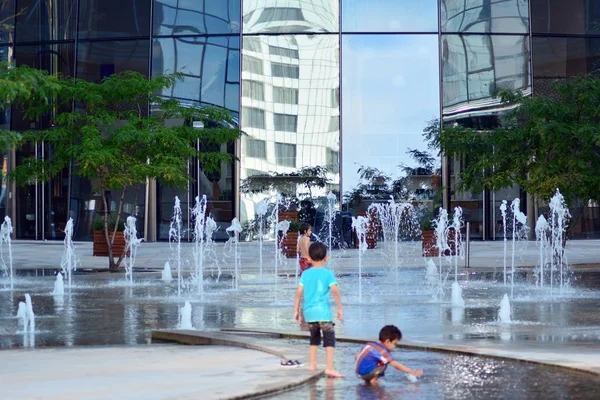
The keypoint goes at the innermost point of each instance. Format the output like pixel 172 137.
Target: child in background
pixel 316 284
pixel 374 357
pixel 303 245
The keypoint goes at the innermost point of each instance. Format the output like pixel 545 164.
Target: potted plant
pixel 100 248
pixel 428 235
pixel 290 242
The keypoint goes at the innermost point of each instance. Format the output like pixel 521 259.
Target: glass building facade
pixel 340 84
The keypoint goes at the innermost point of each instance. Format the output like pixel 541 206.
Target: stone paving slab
pixel 584 358
pixel 485 255
pixel 157 372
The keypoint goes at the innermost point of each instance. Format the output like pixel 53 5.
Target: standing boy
pixel 303 245
pixel 374 357
pixel 316 284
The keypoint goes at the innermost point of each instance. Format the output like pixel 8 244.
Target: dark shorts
pixel 326 327
pixel 377 372
pixel 304 265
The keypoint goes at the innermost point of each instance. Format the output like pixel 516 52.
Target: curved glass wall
pixel 291 16
pixel 390 16
pixel 483 16
pixel 195 17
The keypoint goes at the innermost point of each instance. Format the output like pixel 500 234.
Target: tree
pixel 542 144
pixel 112 137
pixel 286 183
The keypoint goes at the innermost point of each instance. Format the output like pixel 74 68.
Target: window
pixel 114 18
pixel 252 44
pixel 335 97
pixel 334 124
pixel 280 14
pixel 256 148
pixel 196 17
pixel 285 154
pixel 253 118
pixel 285 70
pixel 333 161
pixel 284 52
pixel 285 95
pixel 285 122
pixel 252 64
pixel 254 90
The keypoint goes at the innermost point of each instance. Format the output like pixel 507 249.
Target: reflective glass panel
pixel 290 16
pixel 390 88
pixel 287 108
pixel 97 60
pixel 497 16
pixel 114 18
pixel 7 16
pixel 389 16
pixel 210 68
pixel 563 57
pixel 565 16
pixel 5 55
pixel 476 67
pixel 42 20
pixel 189 17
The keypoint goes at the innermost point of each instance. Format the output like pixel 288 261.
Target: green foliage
pixel 294 226
pixel 543 144
pixel 114 140
pixel 286 183
pixel 98 223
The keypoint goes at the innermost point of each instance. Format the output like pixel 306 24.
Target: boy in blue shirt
pixel 374 357
pixel 316 284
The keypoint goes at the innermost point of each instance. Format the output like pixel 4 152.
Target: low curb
pixel 196 338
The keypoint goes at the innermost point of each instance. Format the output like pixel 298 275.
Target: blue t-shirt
pixel 317 287
pixel 371 356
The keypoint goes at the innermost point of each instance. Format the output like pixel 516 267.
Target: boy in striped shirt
pixel 374 357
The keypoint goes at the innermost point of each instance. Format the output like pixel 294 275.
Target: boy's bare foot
pixel 374 381
pixel 332 373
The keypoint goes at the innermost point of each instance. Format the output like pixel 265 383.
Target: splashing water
pixel 520 230
pixel 236 229
pixel 59 285
pixel 131 244
pixel 68 262
pixel 559 221
pixel 457 225
pixel 26 315
pixel 360 225
pixel 199 214
pixel 175 241
pixel 6 230
pixel 503 213
pixel 166 273
pixel 504 313
pixel 441 241
pixel 261 211
pixel 399 221
pixel 457 299
pixel 185 317
pixel 541 234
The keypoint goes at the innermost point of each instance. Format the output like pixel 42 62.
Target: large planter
pixel 289 244
pixel 429 244
pixel 288 216
pixel 101 247
pixel 371 236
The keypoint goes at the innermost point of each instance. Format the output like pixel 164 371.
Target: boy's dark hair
pixel 390 332
pixel 304 227
pixel 317 251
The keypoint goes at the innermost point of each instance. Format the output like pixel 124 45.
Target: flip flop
pixel 290 363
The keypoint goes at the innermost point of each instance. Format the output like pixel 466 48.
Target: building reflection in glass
pixel 290 16
pixel 391 90
pixel 184 17
pixel 290 107
pixel 481 16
